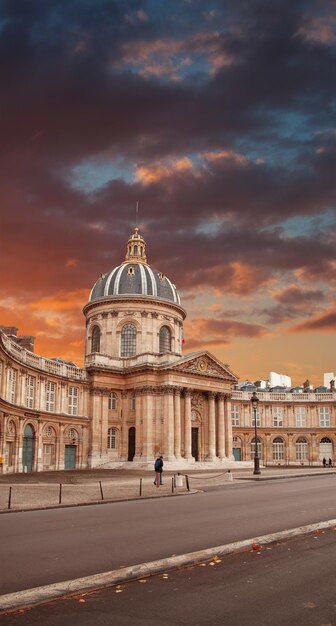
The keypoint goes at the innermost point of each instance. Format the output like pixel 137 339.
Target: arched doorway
pixel 28 448
pixel 131 443
pixel 326 449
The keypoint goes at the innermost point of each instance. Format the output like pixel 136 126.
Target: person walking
pixel 330 463
pixel 158 468
pixel 324 462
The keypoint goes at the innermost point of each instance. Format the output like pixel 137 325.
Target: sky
pixel 219 119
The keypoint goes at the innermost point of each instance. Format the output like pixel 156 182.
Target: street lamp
pixel 254 402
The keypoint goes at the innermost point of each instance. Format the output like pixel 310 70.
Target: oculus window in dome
pixel 135 277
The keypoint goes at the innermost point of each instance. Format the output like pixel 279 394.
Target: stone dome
pixel 135 277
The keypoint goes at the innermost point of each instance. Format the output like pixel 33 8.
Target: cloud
pixel 322 323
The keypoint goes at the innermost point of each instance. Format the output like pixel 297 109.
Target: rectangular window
pixel 30 392
pixel 73 400
pixel 50 396
pixel 12 385
pixel 235 414
pixel 324 417
pixel 277 412
pixel 48 454
pixel 258 417
pixel 133 402
pixel 9 454
pixel 300 417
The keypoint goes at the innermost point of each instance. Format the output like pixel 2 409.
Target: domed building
pixel 144 393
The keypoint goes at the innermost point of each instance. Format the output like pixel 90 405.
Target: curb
pixel 261 478
pixel 39 595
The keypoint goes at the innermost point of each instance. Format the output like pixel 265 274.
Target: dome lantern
pixel 136 248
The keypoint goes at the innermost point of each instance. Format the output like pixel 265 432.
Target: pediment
pixel 205 364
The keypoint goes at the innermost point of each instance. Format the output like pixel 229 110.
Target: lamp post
pixel 254 403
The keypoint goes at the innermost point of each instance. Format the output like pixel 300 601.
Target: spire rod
pixel 136 213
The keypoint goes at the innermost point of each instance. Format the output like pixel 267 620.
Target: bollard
pixel 9 497
pixel 173 484
pixel 101 490
pixel 187 481
pixel 60 495
pixel 140 486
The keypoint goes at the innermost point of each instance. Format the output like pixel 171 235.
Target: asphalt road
pixel 40 547
pixel 288 584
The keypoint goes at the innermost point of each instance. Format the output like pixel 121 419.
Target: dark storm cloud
pixel 72 93
pixel 326 322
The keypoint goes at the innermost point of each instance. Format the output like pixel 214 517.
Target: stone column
pixel 168 424
pixel 221 426
pixel 187 424
pixel 123 449
pixel 177 423
pixel 228 428
pixel 212 427
pixel 138 425
pixel 147 424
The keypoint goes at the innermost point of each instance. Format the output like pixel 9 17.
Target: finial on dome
pixel 136 248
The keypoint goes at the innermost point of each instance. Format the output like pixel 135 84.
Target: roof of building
pixel 135 277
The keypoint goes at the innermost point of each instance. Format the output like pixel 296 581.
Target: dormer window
pixel 131 271
pixel 161 276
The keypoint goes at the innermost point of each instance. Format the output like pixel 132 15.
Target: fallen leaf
pixel 142 580
pixel 119 590
pixel 81 600
pixel 309 605
pixel 164 575
pixel 256 546
pixel 202 565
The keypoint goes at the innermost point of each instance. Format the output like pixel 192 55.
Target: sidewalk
pixel 73 488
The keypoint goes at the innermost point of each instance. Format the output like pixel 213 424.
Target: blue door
pixel 28 448
pixel 237 454
pixel 70 457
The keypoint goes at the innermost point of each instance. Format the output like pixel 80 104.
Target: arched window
pixel 95 341
pixel 165 340
pixel 112 438
pixel 112 401
pixel 278 449
pixel 253 447
pixel 132 401
pixel 128 341
pixel 301 447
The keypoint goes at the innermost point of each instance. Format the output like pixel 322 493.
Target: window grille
pixel 112 401
pixel 50 396
pixel 165 340
pixel 301 447
pixel 277 416
pixel 12 385
pixel 73 400
pixel 112 438
pixel 235 414
pixel 95 339
pixel 253 447
pixel 300 416
pixel 48 454
pixel 324 417
pixel 30 391
pixel 278 449
pixel 128 341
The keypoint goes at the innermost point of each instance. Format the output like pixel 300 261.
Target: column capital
pixel 187 392
pixel 221 396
